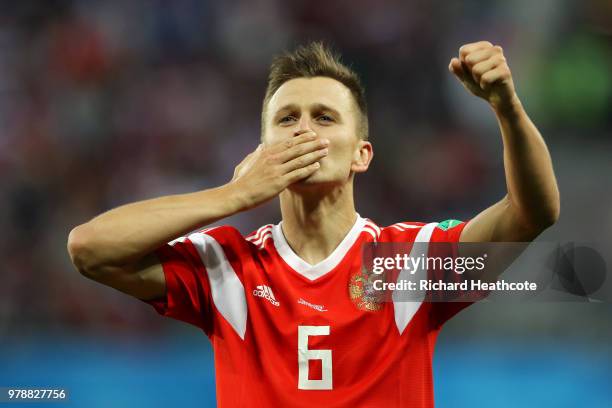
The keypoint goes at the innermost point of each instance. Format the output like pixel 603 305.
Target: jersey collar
pixel 312 272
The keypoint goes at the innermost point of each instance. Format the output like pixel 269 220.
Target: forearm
pixel 530 179
pixel 128 233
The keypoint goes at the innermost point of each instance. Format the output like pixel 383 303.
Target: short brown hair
pixel 312 60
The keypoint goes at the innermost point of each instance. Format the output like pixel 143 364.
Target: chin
pixel 317 180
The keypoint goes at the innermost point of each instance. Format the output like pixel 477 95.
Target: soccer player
pixel 289 323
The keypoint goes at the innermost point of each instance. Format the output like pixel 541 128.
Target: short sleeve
pixel 447 235
pixel 188 295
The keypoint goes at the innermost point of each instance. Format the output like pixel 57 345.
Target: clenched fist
pixel 482 69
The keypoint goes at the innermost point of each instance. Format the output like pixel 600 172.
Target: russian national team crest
pixel 362 292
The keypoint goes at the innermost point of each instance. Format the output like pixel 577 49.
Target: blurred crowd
pixel 108 102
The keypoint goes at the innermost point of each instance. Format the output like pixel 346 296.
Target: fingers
pixel 467 49
pixel 463 73
pixel 477 56
pixel 299 156
pixel 456 68
pixel 470 56
pixel 300 149
pixel 269 170
pixel 485 66
pixel 499 74
pixel 291 142
pixel 305 160
pixel 302 173
pixel 477 60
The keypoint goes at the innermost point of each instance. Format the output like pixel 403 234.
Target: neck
pixel 314 224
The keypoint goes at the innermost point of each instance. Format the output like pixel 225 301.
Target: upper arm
pixel 180 278
pixel 170 279
pixel 144 280
pixel 498 223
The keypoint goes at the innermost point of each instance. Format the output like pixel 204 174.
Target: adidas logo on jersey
pixel 265 292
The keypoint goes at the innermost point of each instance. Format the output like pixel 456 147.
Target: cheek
pixel 341 152
pixel 271 136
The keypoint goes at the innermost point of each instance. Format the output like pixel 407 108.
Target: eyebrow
pixel 316 107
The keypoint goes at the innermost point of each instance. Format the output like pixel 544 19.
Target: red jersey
pixel 286 333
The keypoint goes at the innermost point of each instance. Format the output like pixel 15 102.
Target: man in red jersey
pixel 283 307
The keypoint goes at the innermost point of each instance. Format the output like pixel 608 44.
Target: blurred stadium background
pixel 107 102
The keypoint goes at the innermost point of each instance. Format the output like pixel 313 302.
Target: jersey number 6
pixel 305 355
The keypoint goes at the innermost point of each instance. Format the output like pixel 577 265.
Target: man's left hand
pixel 482 69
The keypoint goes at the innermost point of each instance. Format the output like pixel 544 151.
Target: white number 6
pixel 304 355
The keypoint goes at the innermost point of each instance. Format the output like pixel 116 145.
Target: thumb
pixel 465 77
pixel 456 68
pixel 257 151
pixel 246 162
pixel 254 152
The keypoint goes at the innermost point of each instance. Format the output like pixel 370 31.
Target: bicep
pixel 144 280
pixel 498 223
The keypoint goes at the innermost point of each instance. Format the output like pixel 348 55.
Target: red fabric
pixel 372 363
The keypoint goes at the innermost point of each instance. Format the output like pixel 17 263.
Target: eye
pixel 285 119
pixel 326 118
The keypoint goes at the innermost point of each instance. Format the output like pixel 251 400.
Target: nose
pixel 303 126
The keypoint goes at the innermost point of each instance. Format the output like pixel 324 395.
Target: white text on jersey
pixel 264 291
pixel 319 308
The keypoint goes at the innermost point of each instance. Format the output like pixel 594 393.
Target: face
pixel 326 107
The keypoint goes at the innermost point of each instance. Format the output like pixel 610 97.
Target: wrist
pixel 508 109
pixel 237 197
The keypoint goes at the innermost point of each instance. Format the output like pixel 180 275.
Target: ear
pixel 362 156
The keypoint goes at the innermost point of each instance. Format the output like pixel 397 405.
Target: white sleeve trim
pixel 404 310
pixel 226 289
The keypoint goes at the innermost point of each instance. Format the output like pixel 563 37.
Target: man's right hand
pixel 116 248
pixel 268 170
